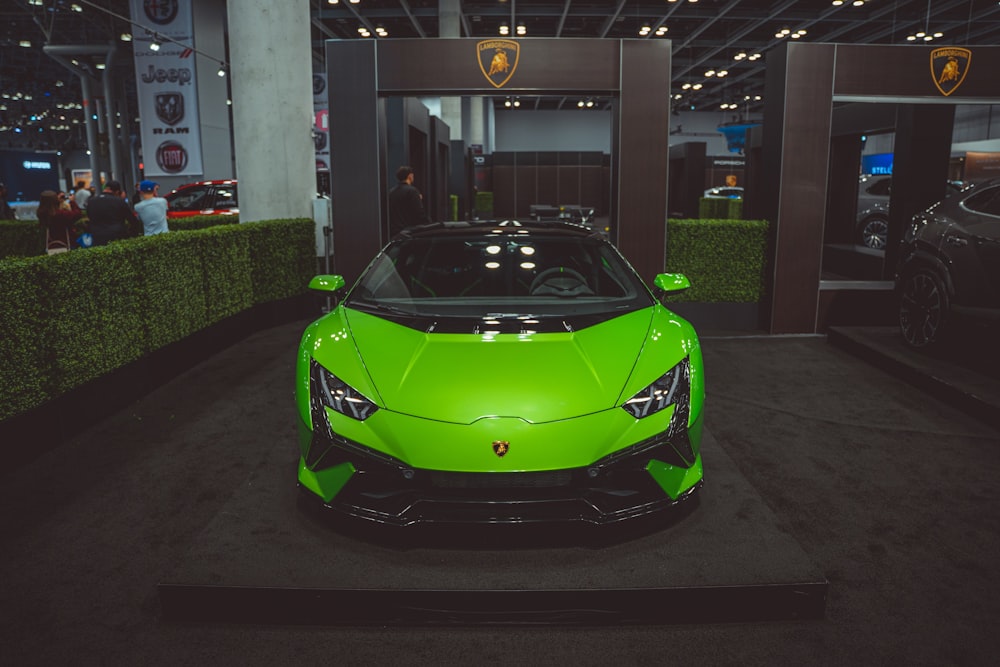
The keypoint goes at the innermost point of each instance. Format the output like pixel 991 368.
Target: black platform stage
pixel 263 559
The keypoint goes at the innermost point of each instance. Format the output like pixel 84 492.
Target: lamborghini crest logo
pixel 498 60
pixel 949 65
pixel 500 447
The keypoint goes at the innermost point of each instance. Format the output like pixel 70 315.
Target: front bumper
pixel 351 479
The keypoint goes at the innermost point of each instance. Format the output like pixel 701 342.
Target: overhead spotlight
pixel 740 56
pixel 76 8
pixel 26 43
pixel 686 86
pixel 222 69
pixel 504 29
pixel 696 86
pixel 644 30
pixel 837 3
pixel 126 37
pixel 590 103
pixel 155 44
pixel 333 2
pixel 661 31
pixel 580 104
pixel 797 34
pixel 354 2
pixel 754 56
pixel 507 103
pixel 722 72
pixel 710 73
pixel 521 30
pixel 517 102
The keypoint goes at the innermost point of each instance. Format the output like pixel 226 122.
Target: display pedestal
pixel 263 559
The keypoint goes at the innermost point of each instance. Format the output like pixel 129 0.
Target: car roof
pixel 494 228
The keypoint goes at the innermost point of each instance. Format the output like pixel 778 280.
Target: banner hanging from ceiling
pixel 166 87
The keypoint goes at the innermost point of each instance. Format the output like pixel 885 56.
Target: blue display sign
pixel 879 163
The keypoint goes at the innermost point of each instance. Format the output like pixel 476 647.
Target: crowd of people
pixel 109 215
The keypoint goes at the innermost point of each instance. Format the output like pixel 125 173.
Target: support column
pixel 275 164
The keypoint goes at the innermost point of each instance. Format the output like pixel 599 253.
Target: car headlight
pixel 671 388
pixel 336 394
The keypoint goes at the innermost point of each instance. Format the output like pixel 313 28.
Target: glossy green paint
pixel 671 282
pixel 673 480
pixel 325 283
pixel 325 483
pixel 444 398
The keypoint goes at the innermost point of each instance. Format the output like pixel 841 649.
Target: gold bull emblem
pixel 498 60
pixel 949 67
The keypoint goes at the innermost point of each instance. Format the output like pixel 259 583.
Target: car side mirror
pixel 670 283
pixel 327 283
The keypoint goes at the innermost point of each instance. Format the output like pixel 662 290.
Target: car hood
pixel 460 378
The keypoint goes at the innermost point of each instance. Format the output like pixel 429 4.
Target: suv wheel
pixel 874 232
pixel 923 309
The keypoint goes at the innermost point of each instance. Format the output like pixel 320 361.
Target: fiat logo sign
pixel 171 157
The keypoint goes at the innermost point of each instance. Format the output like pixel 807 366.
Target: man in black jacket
pixel 111 218
pixel 406 204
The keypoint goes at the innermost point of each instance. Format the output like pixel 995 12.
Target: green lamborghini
pixel 499 373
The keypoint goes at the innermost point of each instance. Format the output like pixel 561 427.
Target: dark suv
pixel 949 267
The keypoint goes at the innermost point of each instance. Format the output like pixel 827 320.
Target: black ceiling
pixel 707 35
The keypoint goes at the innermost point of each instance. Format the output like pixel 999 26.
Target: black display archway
pixel 803 83
pixel 635 73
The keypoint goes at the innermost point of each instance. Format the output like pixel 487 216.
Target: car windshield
pixel 509 272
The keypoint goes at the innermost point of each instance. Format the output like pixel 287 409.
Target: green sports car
pixel 499 373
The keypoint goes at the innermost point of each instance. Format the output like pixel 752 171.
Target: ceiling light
pixel 126 37
pixel 722 72
pixel 696 86
pixel 332 2
pixel 504 29
pixel 740 56
pixel 354 2
pixel 710 73
pixel 517 102
pixel 26 43
pixel 521 30
pixel 222 69
pixel 76 8
pixel 154 45
pixel 580 104
pixel 661 31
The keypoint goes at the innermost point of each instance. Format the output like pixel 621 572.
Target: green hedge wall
pixel 723 259
pixel 21 238
pixel 713 208
pixel 73 317
pixel 24 238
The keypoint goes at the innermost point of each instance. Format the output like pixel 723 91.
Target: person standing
pixel 406 204
pixel 81 195
pixel 151 209
pixel 58 222
pixel 110 215
pixel 6 212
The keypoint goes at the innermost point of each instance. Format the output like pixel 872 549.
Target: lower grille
pixel 501 480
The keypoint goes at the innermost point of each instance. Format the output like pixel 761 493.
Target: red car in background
pixel 203 198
